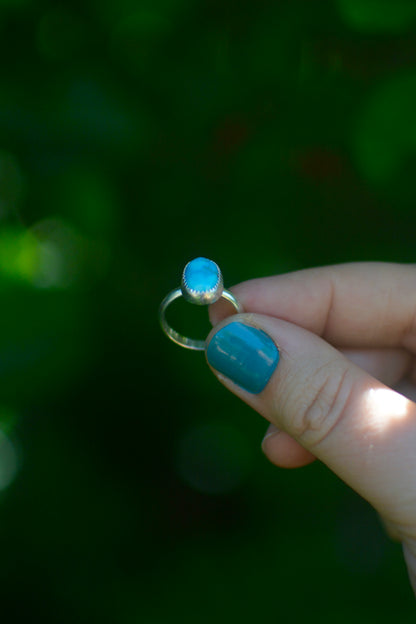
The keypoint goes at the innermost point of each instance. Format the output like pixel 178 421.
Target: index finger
pixel 362 304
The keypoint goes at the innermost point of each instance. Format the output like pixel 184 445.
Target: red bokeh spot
pixel 319 163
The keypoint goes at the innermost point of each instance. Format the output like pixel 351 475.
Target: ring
pixel 201 284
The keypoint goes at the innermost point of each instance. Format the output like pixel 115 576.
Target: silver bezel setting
pixel 205 297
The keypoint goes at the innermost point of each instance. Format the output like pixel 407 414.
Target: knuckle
pixel 321 402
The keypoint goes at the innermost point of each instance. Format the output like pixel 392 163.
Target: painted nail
pixel 244 354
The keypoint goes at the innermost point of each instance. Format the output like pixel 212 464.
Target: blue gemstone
pixel 201 275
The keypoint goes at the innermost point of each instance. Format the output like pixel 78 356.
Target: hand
pixel 345 335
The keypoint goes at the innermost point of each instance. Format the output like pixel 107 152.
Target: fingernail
pixel 244 354
pixel 271 431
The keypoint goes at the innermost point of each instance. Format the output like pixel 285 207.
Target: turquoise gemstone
pixel 201 275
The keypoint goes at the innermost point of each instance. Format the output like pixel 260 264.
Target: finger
pixel 394 367
pixel 350 305
pixel 364 431
pixel 387 365
pixel 409 551
pixel 283 451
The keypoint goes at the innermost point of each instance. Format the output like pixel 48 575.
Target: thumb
pixel 361 429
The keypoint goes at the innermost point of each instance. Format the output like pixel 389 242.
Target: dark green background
pixel 134 136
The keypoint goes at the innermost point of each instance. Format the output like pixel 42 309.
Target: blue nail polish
pixel 244 354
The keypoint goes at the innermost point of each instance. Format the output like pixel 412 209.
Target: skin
pixel 345 386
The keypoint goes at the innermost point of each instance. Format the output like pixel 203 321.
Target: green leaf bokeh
pixel 134 136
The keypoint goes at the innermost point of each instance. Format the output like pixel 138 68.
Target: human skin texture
pixel 343 386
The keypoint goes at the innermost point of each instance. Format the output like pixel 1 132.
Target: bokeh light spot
pixel 385 132
pixel 8 461
pixel 49 255
pixel 135 37
pixel 378 16
pixel 61 254
pixel 51 266
pixel 18 255
pixel 213 458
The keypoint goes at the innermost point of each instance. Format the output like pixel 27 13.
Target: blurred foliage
pixel 378 15
pixel 134 136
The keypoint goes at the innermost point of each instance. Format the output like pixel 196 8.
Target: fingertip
pixel 283 451
pixel 223 308
pixel 219 310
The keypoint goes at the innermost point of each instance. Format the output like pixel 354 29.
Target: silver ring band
pixel 201 296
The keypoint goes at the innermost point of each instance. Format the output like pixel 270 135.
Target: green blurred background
pixel 135 135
